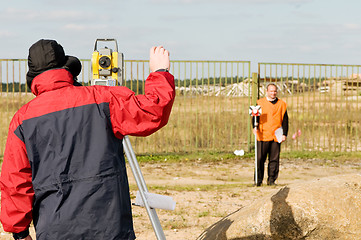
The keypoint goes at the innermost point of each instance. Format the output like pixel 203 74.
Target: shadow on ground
pixel 282 223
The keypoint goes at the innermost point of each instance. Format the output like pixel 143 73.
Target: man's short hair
pixel 271 84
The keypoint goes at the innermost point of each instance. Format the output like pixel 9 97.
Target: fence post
pixel 254 98
pixel 255 87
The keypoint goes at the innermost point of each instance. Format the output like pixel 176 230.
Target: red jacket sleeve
pixel 16 186
pixel 142 115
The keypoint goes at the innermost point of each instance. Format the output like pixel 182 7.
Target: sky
pixel 277 31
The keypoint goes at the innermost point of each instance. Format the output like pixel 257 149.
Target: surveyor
pixel 271 131
pixel 63 165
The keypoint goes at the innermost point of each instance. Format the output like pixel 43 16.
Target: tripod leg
pixel 152 214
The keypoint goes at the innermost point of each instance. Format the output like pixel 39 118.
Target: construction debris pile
pixel 348 85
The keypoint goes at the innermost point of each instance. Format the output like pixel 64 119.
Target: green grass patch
pixel 205 157
pixel 189 157
pixel 337 156
pixel 203 214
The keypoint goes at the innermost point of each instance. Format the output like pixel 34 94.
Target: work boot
pixel 271 183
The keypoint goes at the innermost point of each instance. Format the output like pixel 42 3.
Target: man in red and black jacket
pixel 64 165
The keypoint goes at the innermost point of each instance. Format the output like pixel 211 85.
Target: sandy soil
pixel 206 191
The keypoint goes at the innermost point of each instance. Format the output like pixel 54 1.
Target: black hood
pixel 48 54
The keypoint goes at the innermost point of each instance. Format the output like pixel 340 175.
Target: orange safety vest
pixel 270 119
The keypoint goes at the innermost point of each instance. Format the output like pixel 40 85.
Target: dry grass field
pixel 219 123
pixel 208 190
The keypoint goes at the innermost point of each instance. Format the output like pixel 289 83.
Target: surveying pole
pixel 255 111
pixel 107 70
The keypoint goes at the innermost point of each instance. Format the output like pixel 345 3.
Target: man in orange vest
pixel 271 130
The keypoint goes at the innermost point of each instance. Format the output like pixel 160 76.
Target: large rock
pixel 327 208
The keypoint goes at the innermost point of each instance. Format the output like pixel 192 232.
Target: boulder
pixel 326 208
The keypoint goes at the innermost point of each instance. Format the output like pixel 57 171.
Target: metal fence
pixel 210 112
pixel 323 104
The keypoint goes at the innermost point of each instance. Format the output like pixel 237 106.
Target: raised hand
pixel 158 59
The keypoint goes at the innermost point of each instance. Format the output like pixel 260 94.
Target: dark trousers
pixel 272 150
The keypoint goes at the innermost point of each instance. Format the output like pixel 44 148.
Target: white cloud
pixel 234 1
pixel 14 14
pixel 6 34
pixel 19 15
pixel 352 26
pixel 65 14
pixel 84 27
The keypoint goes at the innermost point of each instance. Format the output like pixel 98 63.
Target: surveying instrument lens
pixel 104 62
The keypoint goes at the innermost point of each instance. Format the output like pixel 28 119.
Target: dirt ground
pixel 207 191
